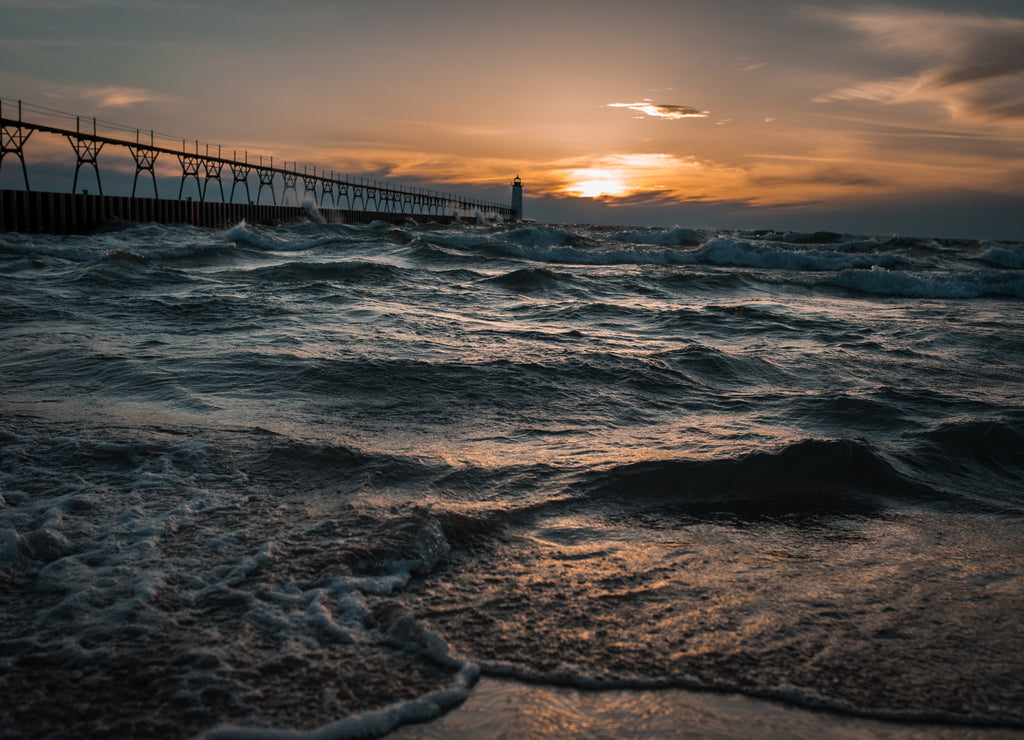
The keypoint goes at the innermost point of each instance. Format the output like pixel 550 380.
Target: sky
pixel 870 118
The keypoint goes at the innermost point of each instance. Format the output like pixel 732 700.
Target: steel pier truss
pixel 207 166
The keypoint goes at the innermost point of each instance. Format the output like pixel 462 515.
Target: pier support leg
pixel 87 149
pixel 309 186
pixel 12 141
pixel 327 188
pixel 213 169
pixel 190 168
pixel 266 180
pixel 144 158
pixel 240 174
pixel 290 180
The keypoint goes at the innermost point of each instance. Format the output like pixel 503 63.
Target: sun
pixel 597 183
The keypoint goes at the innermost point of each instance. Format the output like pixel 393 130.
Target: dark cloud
pixel 680 111
pixel 820 176
pixel 981 70
pixel 973 65
pixel 657 110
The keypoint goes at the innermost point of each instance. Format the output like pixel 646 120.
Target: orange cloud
pixel 122 97
pixel 624 179
pixel 633 178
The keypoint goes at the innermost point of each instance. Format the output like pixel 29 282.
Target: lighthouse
pixel 517 197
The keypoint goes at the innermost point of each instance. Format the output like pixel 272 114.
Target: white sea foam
pixel 268 239
pixel 729 252
pixel 370 724
pixel 101 549
pixel 405 631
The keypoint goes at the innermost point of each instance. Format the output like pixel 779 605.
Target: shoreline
pixel 500 707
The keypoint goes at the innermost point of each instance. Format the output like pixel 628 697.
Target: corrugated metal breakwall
pixel 317 194
pixel 78 213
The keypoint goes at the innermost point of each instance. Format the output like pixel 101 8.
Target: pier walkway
pixel 325 195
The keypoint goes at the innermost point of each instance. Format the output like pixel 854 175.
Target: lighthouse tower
pixel 517 197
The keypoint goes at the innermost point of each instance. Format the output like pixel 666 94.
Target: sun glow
pixel 619 177
pixel 597 183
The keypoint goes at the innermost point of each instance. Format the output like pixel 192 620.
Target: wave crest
pixel 979 284
pixel 807 477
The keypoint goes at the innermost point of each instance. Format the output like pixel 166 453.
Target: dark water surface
pixel 278 477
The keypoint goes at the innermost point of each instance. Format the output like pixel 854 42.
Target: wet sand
pixel 498 708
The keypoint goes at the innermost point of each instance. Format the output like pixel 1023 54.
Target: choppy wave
pixel 813 476
pixel 266 239
pixel 721 251
pixel 979 284
pixel 345 272
pixel 895 267
pixel 1004 256
pixel 677 236
pixel 322 475
pixel 531 279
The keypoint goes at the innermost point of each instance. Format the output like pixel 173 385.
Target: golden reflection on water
pixel 728 601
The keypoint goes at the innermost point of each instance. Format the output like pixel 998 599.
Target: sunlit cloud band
pixel 971 65
pixel 122 97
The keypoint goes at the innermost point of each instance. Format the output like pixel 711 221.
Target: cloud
pixel 649 178
pixel 972 65
pixel 629 179
pixel 821 176
pixel 881 91
pixel 654 110
pixel 121 97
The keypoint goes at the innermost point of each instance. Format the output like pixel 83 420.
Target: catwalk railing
pixel 204 163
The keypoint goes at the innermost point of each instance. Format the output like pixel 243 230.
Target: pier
pixel 318 193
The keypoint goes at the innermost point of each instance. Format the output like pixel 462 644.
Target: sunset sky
pixel 864 117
